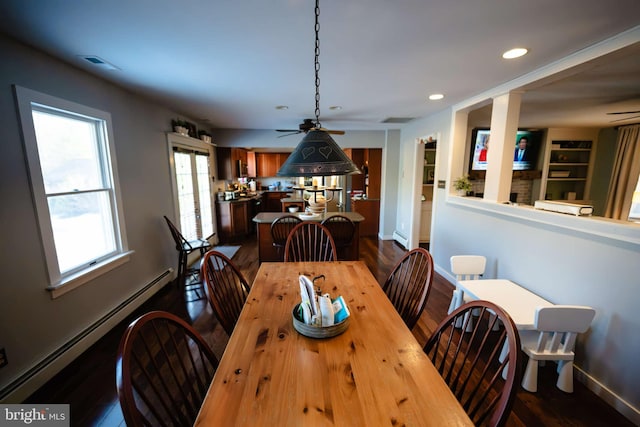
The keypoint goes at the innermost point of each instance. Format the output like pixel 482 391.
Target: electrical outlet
pixel 3 358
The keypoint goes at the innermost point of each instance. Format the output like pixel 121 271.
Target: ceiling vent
pixel 397 120
pixel 99 62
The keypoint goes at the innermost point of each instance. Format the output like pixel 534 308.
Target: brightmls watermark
pixel 37 415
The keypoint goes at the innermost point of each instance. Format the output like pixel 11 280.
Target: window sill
pixel 72 282
pixel 594 227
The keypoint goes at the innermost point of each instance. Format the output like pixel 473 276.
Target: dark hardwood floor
pixel 88 384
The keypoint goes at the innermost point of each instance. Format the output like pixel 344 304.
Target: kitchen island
pixel 266 250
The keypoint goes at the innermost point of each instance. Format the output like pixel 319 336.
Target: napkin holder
pixel 317 331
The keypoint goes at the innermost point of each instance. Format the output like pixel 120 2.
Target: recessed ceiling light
pixel 282 107
pixel 335 107
pixel 515 53
pixel 99 62
pixel 436 96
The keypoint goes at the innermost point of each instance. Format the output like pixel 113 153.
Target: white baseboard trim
pixel 26 384
pixel 617 402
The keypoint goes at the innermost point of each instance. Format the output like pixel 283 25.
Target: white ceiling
pixel 230 62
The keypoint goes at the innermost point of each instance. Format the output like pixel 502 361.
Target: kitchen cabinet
pixel 271 200
pixel 251 164
pixel 357 156
pixel 232 163
pixel 369 161
pixel 233 219
pixel 267 164
pixel 370 210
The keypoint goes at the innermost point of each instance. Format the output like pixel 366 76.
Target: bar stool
pixel 184 248
pixel 280 229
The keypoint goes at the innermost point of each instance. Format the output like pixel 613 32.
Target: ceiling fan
pixel 624 112
pixel 306 126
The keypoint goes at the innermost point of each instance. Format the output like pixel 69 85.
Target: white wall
pixel 567 260
pixel 32 325
pixel 389 178
pixel 574 262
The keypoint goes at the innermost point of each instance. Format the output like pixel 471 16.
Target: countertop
pixel 241 199
pixel 269 217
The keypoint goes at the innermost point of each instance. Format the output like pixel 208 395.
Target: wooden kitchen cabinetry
pixel 251 164
pixel 232 163
pixel 267 164
pixel 369 161
pixel 357 156
pixel 271 200
pixel 233 219
pixel 370 210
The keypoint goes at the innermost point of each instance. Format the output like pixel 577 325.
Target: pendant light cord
pixel 317 64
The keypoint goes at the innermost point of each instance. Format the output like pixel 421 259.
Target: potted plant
pixel 204 135
pixel 462 185
pixel 180 126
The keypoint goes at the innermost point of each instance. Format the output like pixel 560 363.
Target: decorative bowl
pixel 317 332
pixel 317 204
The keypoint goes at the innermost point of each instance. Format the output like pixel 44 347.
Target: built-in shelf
pixel 567 170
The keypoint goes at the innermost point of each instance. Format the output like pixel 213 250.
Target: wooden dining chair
pixel 184 248
pixel 557 328
pixel 309 241
pixel 409 283
pixel 342 230
pixel 163 371
pixel 280 229
pixel 483 378
pixel 226 288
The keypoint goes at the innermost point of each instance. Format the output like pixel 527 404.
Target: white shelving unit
pixel 567 171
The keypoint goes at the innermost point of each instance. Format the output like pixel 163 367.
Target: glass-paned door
pixel 193 193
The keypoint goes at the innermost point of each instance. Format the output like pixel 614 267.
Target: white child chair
pixel 557 328
pixel 465 267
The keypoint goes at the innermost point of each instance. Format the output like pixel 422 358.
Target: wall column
pixel 504 126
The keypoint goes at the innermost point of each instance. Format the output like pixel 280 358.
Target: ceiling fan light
pixel 318 155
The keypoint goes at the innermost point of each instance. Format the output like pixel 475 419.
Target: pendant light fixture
pixel 318 154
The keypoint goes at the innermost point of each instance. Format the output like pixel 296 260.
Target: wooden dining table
pixel 374 373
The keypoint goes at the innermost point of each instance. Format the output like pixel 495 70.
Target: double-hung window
pixel 74 185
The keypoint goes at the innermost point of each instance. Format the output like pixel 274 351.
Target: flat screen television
pixel 525 150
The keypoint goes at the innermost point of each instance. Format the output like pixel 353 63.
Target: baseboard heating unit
pixel 35 377
pixel 564 207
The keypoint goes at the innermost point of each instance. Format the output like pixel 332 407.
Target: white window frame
pixel 61 283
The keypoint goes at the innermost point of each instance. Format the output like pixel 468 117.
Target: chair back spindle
pixel 163 371
pixel 409 283
pixel 481 366
pixel 310 241
pixel 280 229
pixel 226 288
